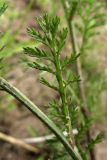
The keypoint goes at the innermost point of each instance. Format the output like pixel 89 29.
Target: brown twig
pixel 17 142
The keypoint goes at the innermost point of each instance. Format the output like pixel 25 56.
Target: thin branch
pixel 17 142
pixel 81 86
pixel 45 138
pixel 84 108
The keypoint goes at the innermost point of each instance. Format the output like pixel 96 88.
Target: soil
pixel 18 121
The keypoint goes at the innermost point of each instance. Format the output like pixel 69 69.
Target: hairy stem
pixel 62 92
pixel 4 85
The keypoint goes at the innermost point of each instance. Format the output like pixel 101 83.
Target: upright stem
pixel 84 108
pixel 62 92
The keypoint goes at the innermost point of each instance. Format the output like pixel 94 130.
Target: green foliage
pixel 88 25
pixel 90 19
pixel 87 17
pixel 57 151
pixel 54 40
pixel 11 45
pixel 12 38
pixel 49 60
pixel 93 142
pixel 3 7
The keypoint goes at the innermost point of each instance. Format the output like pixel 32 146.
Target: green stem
pixel 4 85
pixel 62 92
